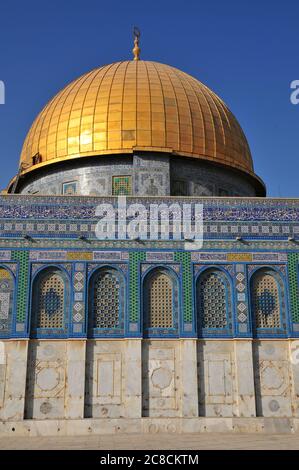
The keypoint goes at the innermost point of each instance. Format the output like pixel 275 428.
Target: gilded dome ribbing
pixel 136 105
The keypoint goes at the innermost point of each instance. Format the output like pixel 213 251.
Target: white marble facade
pixel 155 381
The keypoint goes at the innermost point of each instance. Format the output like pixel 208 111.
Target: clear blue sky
pixel 245 50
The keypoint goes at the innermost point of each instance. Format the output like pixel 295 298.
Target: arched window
pixel 267 299
pixel 160 302
pixel 214 305
pixel 6 300
pixel 106 300
pixel 50 298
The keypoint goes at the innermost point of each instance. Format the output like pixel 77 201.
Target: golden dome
pixel 136 105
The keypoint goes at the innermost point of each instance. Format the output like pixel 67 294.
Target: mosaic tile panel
pixel 134 292
pixel 241 295
pixel 269 221
pixel 215 209
pixel 107 256
pixel 197 256
pixel 6 300
pixel 211 231
pixel 79 266
pixel 214 257
pixel 121 185
pixel 159 256
pixel 79 255
pixel 269 257
pixel 5 255
pixel 23 258
pixel 239 257
pixel 293 268
pixel 185 259
pixel 78 280
pixel 47 255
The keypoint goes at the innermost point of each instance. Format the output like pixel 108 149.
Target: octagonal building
pixel 152 332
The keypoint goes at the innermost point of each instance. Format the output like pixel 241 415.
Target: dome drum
pixel 145 174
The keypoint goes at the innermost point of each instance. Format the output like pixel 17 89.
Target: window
pixel 179 188
pixel 160 300
pixel 37 158
pixel 214 300
pixel 121 186
pixel 223 192
pixel 106 299
pixel 266 287
pixel 49 300
pixel 70 188
pixel 6 300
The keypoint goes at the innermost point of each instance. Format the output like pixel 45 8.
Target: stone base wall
pixel 207 383
pixel 104 426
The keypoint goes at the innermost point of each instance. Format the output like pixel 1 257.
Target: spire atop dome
pixel 136 50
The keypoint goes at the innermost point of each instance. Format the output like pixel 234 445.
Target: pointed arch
pixel 106 303
pixel 50 302
pixel 160 301
pixel 268 302
pixel 7 297
pixel 214 302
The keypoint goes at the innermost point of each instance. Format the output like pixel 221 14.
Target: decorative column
pixel 189 391
pixel 244 378
pixel 132 378
pixel 75 384
pixel 15 363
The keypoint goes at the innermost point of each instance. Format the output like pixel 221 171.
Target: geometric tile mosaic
pixel 106 299
pixel 23 282
pixel 78 285
pixel 242 317
pixel 134 288
pixel 4 305
pixel 265 300
pixel 6 299
pixel 293 269
pixel 187 283
pixel 266 221
pixel 77 317
pixel 240 287
pixel 241 307
pixel 212 298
